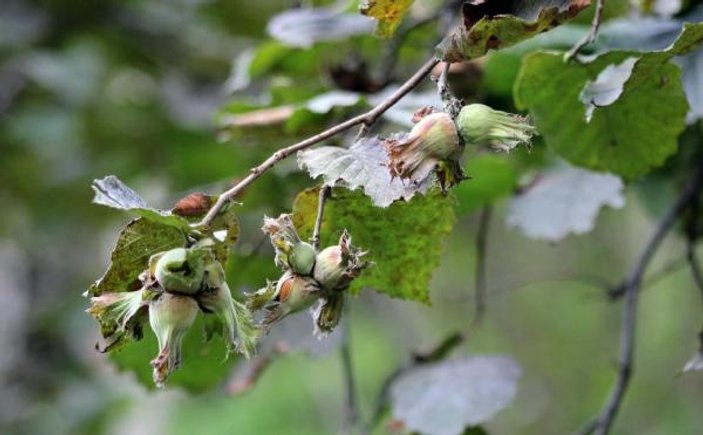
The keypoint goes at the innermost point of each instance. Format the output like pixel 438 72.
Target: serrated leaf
pixel 490 178
pixel 404 240
pixel 112 192
pixel 445 397
pixel 138 241
pixel 630 136
pixel 389 14
pixel 562 201
pixel 363 165
pixel 492 24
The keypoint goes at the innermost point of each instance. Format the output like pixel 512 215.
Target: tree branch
pixel 352 415
pixel 591 35
pixel 603 423
pixel 481 247
pixel 367 118
pixel 324 193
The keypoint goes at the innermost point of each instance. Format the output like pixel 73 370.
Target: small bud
pixel 234 318
pixel 336 266
pixel 193 205
pixel 479 124
pixel 291 252
pixel 170 317
pixel 181 270
pixel 416 155
pixel 294 293
pixel 328 313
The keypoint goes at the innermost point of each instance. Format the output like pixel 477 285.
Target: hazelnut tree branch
pixel 352 414
pixel 591 35
pixel 481 247
pixel 602 424
pixel 366 119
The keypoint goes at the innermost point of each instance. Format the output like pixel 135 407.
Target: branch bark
pixel 367 119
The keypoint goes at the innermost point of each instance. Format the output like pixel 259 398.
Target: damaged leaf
pixel 491 25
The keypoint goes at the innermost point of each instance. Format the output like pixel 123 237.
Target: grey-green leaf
pixel 446 397
pixel 112 192
pixel 363 165
pixel 564 200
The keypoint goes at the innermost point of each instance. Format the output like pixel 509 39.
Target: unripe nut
pixel 302 258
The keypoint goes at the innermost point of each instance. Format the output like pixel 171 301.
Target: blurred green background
pixel 136 88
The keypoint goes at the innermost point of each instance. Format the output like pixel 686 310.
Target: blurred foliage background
pixel 153 91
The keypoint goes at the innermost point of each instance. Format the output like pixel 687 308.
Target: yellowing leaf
pixel 389 14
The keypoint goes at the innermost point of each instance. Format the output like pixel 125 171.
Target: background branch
pixel 352 414
pixel 481 248
pixel 603 423
pixel 367 118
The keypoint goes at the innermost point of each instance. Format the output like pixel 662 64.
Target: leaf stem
pixel 367 119
pixel 591 35
pixel 324 194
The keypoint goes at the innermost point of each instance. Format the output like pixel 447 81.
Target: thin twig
pixel 694 265
pixel 605 419
pixel 452 105
pixel 324 193
pixel 484 223
pixel 591 35
pixel 367 118
pixel 352 415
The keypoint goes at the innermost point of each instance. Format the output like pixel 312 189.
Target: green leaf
pixel 564 200
pixel 634 132
pixel 389 14
pixel 112 192
pixel 490 178
pixel 448 396
pixel 493 25
pixel 137 241
pixel 404 240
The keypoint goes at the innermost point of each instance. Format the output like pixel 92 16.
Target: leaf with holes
pixel 637 127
